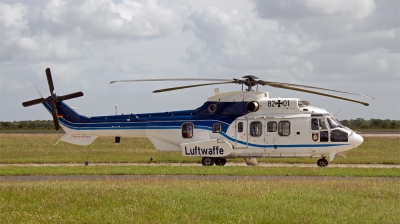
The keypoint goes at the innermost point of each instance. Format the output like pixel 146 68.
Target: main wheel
pixel 322 162
pixel 220 161
pixel 207 161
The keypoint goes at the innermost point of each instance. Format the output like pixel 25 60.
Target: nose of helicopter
pixel 357 140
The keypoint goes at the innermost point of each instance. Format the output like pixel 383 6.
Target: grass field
pixel 32 131
pixel 47 131
pixel 196 170
pixel 189 200
pixel 200 201
pixel 40 148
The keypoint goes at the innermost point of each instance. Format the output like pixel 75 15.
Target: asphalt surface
pixel 181 177
pixel 199 164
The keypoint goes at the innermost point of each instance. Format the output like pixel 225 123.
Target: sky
pixel 352 46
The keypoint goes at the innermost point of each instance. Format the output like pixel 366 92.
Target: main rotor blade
pixel 277 85
pixel 70 96
pixel 312 87
pixel 185 79
pixel 55 117
pixel 33 102
pixel 191 86
pixel 50 80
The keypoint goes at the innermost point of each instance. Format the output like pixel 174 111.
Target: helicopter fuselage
pixel 229 125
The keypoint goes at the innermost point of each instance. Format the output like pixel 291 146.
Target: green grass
pixel 53 131
pixel 200 201
pixel 199 170
pixel 31 131
pixel 186 200
pixel 394 130
pixel 40 148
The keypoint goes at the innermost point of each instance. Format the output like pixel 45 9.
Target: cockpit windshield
pixel 334 123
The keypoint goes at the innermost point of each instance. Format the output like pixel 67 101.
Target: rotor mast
pixel 249 81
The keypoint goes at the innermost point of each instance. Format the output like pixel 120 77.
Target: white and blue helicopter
pixel 244 124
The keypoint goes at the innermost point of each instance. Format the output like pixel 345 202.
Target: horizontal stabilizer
pixel 78 139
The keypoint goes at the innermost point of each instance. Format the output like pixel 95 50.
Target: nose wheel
pixel 322 162
pixel 209 161
pixel 220 161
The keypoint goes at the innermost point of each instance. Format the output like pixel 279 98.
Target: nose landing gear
pixel 322 162
pixel 209 161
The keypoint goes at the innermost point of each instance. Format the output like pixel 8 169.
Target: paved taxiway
pixel 180 177
pixel 199 164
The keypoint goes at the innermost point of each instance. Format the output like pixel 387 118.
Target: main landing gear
pixel 210 161
pixel 322 162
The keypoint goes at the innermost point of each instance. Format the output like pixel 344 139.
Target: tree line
pixel 371 124
pixel 358 123
pixel 37 124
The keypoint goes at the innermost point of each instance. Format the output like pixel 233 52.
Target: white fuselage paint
pixel 296 142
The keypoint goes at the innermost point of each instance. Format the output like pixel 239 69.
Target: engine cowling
pixel 253 106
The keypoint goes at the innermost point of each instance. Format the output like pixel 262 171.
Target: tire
pixel 220 161
pixel 207 161
pixel 322 163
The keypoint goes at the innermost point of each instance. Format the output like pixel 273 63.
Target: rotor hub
pixel 250 81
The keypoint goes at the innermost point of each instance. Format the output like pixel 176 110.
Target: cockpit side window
pixel 318 124
pixel 322 123
pixel 314 124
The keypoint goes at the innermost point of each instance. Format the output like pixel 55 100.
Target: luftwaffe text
pixel 215 150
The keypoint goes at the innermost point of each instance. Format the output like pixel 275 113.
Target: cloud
pixel 59 29
pixel 107 19
pixel 232 41
pixel 346 32
pixel 300 9
pixel 353 46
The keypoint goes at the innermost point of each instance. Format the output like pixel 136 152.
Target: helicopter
pixel 245 124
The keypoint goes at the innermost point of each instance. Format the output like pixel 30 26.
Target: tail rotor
pixel 53 99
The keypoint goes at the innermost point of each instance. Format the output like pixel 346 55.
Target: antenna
pixel 38 90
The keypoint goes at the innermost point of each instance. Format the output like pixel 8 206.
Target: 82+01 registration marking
pixel 278 103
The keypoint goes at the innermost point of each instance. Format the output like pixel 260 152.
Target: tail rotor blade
pixel 50 80
pixel 55 117
pixel 70 96
pixel 33 102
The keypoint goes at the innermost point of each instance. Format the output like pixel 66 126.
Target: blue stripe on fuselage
pixel 170 120
pixel 159 121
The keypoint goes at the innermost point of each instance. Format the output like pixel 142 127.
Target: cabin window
pixel 217 127
pixel 240 127
pixel 271 126
pixel 187 130
pixel 255 129
pixel 284 128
